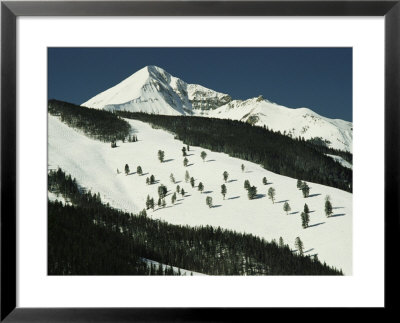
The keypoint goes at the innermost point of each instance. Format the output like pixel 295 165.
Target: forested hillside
pixel 97 124
pixel 295 158
pixel 92 238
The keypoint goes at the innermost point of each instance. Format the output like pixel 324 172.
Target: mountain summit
pixel 153 90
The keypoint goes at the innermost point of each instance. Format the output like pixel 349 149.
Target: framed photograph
pixel 183 156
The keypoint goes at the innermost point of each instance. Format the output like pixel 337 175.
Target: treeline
pixel 208 250
pixel 346 155
pixel 97 124
pixel 272 150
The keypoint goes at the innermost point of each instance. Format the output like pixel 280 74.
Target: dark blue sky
pixel 317 78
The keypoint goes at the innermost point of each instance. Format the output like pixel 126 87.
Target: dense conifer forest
pixel 98 124
pixel 295 158
pixel 89 237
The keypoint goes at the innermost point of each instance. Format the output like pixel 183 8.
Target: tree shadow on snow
pixel 210 160
pixel 144 174
pixel 309 250
pixel 259 196
pixel 207 192
pixel 248 171
pixel 295 212
pixel 283 201
pixel 338 207
pixel 335 215
pixel 312 195
pixel 314 225
pixel 214 206
pixel 132 173
pixel 167 160
pixel 177 182
pixel 233 197
pixel 232 180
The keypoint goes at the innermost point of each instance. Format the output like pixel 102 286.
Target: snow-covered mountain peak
pixel 153 90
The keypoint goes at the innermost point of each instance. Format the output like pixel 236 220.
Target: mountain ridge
pixel 154 90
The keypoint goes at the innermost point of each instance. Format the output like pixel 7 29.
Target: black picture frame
pixel 10 10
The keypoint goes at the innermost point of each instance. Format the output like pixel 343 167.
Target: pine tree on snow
pixel 225 175
pixel 203 155
pixel 299 245
pixel 271 194
pixel 286 207
pixel 223 190
pixel 328 208
pixel 187 176
pixel 201 187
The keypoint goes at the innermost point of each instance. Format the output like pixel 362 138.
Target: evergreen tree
pixel 163 204
pixel 271 194
pixel 162 191
pixel 201 187
pixel 306 209
pixel 173 198
pixel 328 208
pixel 148 202
pixel 159 202
pixel 182 192
pixel 299 184
pixel 223 190
pixel 242 168
pixel 286 207
pixel 225 175
pixel 172 178
pixel 252 192
pixel 139 170
pixel 118 172
pixel 152 204
pixel 127 169
pixel 192 181
pixel 305 189
pixel 203 155
pixel 264 180
pixel 184 152
pixel 247 184
pixel 178 188
pixel 185 162
pixel 152 179
pixel 327 198
pixel 305 219
pixel 299 245
pixel 281 243
pixel 161 156
pixel 187 176
pixel 209 201
pixel 147 181
pixel 187 147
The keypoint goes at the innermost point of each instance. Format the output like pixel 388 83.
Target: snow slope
pixel 95 164
pixel 341 161
pixel 184 272
pixel 153 90
pixel 295 123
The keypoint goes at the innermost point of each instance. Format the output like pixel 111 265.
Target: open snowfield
pixel 94 164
